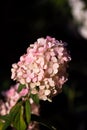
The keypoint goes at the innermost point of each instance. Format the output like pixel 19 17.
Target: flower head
pixel 43 68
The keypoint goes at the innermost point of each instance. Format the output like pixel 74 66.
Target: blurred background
pixel 25 21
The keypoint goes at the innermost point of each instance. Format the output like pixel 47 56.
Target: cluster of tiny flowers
pixel 11 97
pixel 43 68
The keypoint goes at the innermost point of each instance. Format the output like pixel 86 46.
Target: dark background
pixel 21 24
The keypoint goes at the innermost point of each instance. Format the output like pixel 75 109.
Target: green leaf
pixel 4 117
pixel 20 87
pixel 1 125
pixel 15 110
pixel 19 122
pixel 35 98
pixel 7 121
pixel 42 122
pixel 11 116
pixel 27 111
pixel 6 124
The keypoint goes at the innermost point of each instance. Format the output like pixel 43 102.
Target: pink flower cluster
pixel 43 68
pixel 11 97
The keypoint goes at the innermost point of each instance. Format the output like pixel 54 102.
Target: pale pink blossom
pixel 45 62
